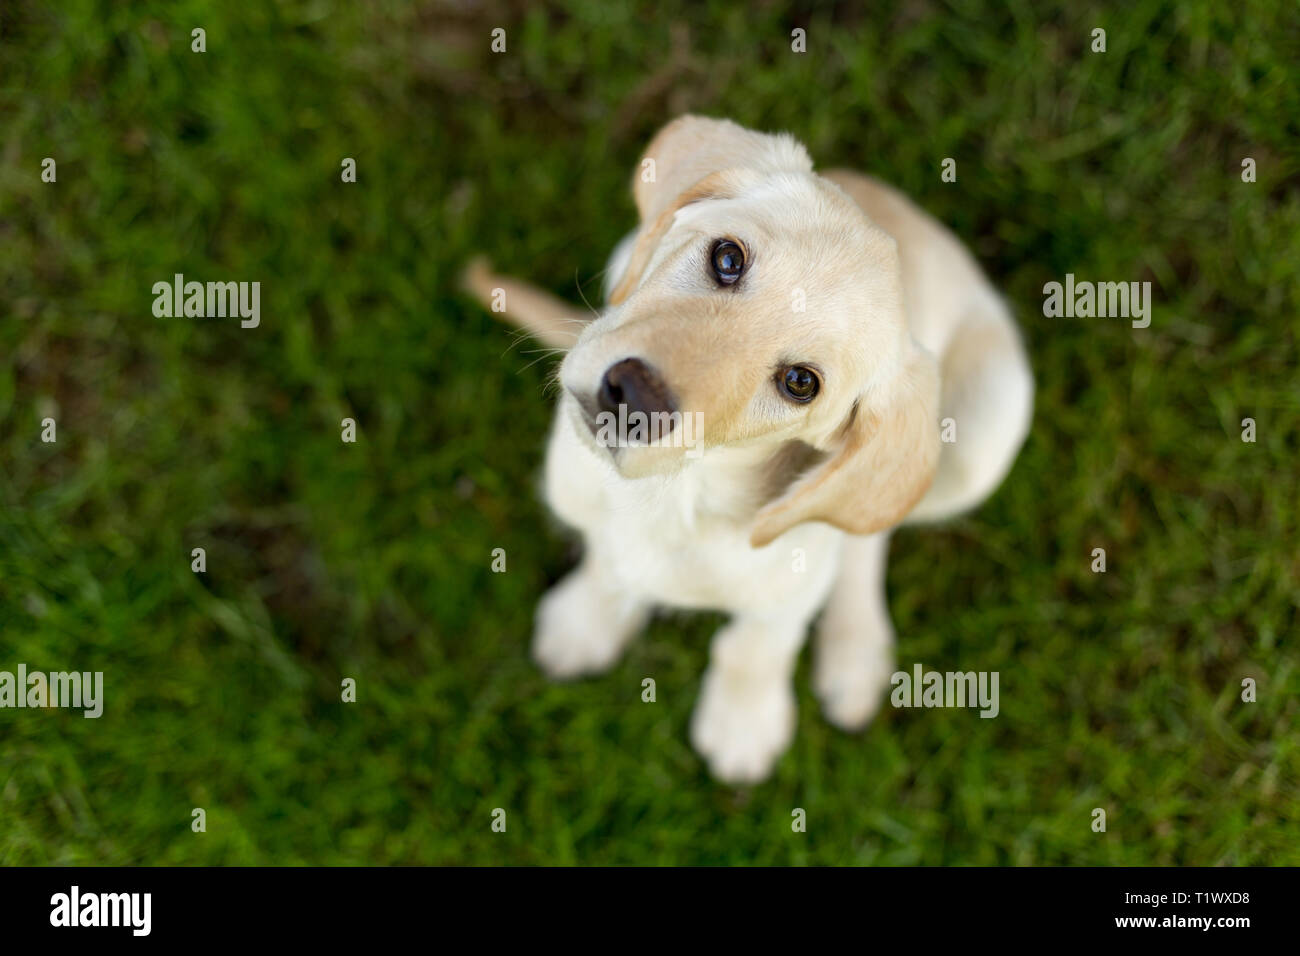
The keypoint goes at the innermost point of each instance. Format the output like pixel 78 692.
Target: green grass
pixel 371 560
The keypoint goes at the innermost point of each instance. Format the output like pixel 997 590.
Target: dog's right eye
pixel 728 261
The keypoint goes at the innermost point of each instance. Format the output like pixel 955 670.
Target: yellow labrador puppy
pixel 758 405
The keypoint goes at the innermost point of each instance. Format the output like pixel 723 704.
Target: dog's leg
pixel 551 320
pixel 745 716
pixel 854 650
pixel 584 622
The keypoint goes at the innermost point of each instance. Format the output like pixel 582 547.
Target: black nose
pixel 638 386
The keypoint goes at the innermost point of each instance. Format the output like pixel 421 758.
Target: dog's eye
pixel 799 383
pixel 728 261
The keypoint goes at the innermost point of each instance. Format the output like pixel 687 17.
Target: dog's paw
pixel 742 731
pixel 578 631
pixel 850 678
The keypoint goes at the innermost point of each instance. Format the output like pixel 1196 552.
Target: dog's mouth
pixel 639 444
pixel 586 409
pixel 585 413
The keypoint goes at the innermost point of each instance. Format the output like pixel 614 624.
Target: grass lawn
pixel 327 560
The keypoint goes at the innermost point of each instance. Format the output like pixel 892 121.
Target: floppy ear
pixel 881 466
pixel 692 147
pixel 690 159
pixel 712 186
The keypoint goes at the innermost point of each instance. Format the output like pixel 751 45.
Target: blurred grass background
pixel 371 561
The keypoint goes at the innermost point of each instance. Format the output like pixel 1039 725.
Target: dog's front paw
pixel 741 730
pixel 580 630
pixel 850 678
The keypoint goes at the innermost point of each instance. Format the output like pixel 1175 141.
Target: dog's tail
pixel 549 319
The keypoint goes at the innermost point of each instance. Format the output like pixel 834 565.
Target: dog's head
pixel 760 307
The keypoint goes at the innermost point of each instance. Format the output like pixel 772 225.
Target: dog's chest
pixel 673 541
pixel 708 563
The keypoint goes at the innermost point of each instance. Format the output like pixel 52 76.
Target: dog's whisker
pixel 520 335
pixel 546 353
pixel 594 313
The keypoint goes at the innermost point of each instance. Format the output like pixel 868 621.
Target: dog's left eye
pixel 799 383
pixel 728 261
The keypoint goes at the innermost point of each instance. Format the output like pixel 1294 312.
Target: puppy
pixel 757 406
